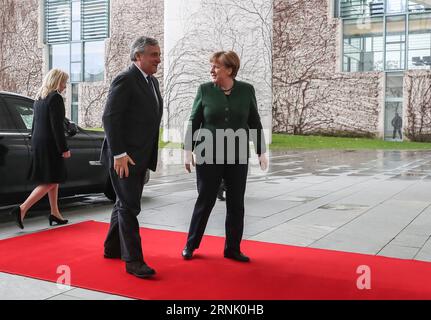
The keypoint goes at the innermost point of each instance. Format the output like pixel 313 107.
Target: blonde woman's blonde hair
pixel 51 82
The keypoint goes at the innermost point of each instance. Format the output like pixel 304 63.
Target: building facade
pixel 194 30
pixel 337 67
pixel 89 39
pixel 353 67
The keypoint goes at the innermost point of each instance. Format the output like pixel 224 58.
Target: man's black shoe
pixel 139 269
pixel 238 256
pixel 187 253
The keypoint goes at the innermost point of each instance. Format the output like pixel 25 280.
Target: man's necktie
pixel 153 90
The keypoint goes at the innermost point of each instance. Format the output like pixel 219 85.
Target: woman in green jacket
pixel 224 116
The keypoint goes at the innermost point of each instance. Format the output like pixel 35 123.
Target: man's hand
pixel 263 161
pixel 121 166
pixel 188 159
pixel 66 154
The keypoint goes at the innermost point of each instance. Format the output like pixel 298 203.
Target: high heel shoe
pixel 53 218
pixel 16 213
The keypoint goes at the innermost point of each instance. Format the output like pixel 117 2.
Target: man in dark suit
pixel 131 120
pixel 397 123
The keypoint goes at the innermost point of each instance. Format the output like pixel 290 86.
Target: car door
pixel 14 155
pixel 80 171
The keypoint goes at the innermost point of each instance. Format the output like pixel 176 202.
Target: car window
pixel 6 122
pixel 23 110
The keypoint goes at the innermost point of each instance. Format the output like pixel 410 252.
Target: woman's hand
pixel 188 159
pixel 263 161
pixel 66 154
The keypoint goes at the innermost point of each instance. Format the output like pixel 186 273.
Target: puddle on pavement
pixel 300 199
pixel 343 207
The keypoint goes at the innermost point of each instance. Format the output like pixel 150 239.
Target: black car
pixel 85 172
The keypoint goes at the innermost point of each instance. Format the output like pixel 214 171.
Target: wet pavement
pixel 374 202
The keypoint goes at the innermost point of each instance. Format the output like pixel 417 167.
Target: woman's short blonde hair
pixel 229 59
pixel 51 82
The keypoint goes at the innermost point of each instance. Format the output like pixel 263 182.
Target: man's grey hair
pixel 138 46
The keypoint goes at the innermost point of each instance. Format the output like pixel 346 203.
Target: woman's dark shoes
pixel 58 221
pixel 220 195
pixel 187 253
pixel 139 269
pixel 238 256
pixel 16 213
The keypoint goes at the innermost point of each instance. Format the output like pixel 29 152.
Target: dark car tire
pixel 109 190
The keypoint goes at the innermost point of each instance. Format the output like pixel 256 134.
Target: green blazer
pixel 213 110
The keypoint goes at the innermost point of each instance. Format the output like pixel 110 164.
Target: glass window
pixel 395 42
pixel 75 72
pixel 394 86
pixel 57 21
pixel 418 6
pixel 360 8
pixel 393 120
pixel 376 7
pixel 366 49
pixel 419 55
pixel 363 45
pixel 74 114
pixel 23 109
pixel 60 57
pixel 76 10
pixel 74 93
pixel 76 52
pixel 76 30
pixel 395 6
pixel 94 53
pixel 83 56
pixel 394 106
pixel 6 122
pixel 76 65
pixel 26 114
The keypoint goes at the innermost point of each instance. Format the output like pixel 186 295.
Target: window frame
pixel 363 40
pixel 81 41
pixel 404 63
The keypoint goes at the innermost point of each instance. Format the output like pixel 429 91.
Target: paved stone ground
pixel 373 202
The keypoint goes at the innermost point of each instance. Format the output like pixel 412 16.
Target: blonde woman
pixel 49 147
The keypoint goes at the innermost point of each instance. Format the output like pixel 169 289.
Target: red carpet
pixel 276 271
